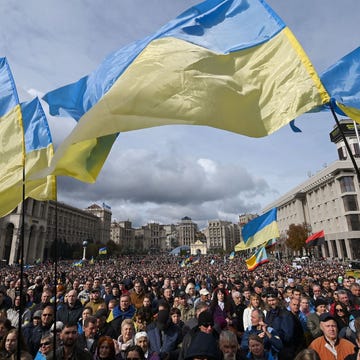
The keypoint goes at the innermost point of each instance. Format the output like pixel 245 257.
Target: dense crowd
pixel 154 307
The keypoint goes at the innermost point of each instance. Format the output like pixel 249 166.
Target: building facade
pixel 328 201
pixel 43 222
pixel 222 235
pixel 186 230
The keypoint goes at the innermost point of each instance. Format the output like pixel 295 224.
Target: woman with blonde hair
pixel 254 303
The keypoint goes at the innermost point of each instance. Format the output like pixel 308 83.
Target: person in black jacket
pixel 299 336
pixel 281 320
pixel 72 309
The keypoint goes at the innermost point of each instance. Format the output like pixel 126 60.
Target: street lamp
pixel 85 243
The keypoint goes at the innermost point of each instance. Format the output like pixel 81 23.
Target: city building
pixel 42 221
pixel 186 230
pixel 104 214
pixel 222 235
pixel 328 200
pixel 122 234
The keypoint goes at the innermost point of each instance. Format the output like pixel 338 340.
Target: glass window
pixel 356 150
pixel 353 222
pixel 347 184
pixel 350 203
pixel 341 153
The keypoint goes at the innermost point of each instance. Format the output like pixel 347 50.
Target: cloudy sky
pixel 166 173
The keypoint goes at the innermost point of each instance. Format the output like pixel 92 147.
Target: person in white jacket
pixel 13 313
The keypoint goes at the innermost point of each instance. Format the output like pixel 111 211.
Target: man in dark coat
pixel 72 309
pixel 281 320
pixel 164 336
pixel 125 310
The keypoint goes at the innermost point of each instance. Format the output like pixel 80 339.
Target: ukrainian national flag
pixel 103 251
pixel 232 255
pixel 114 313
pixel 342 81
pixel 261 229
pixel 25 146
pixel 259 258
pixel 229 64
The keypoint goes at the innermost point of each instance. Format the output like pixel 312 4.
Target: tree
pixel 296 236
pixel 112 248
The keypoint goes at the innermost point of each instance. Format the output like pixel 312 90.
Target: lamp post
pixel 85 243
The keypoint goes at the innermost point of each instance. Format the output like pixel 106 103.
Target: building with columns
pixel 42 221
pixel 328 200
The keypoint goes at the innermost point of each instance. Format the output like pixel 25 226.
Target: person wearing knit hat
pixel 203 345
pixel 141 339
pixel 313 319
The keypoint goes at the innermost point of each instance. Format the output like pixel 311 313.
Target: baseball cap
pixel 326 317
pixel 204 292
pixel 59 326
pixel 271 293
pixel 37 314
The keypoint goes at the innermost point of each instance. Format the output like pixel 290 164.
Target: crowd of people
pixel 153 307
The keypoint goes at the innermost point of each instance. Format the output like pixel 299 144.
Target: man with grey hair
pixel 229 346
pixel 238 312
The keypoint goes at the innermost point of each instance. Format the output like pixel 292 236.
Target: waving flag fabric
pixel 229 64
pixel 261 229
pixel 259 258
pixel 316 239
pixel 25 143
pixel 38 151
pixel 103 251
pixel 342 81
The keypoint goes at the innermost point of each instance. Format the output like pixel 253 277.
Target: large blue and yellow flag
pixel 257 259
pixel 25 146
pixel 261 229
pixel 229 64
pixel 342 81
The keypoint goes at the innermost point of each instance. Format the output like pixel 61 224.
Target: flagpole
pixel 346 142
pixel 55 268
pixel 21 245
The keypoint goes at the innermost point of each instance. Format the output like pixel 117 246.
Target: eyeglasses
pixel 207 324
pixel 339 310
pixel 47 315
pixel 45 343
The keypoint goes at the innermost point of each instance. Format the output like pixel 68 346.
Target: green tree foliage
pixel 112 248
pixel 296 236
